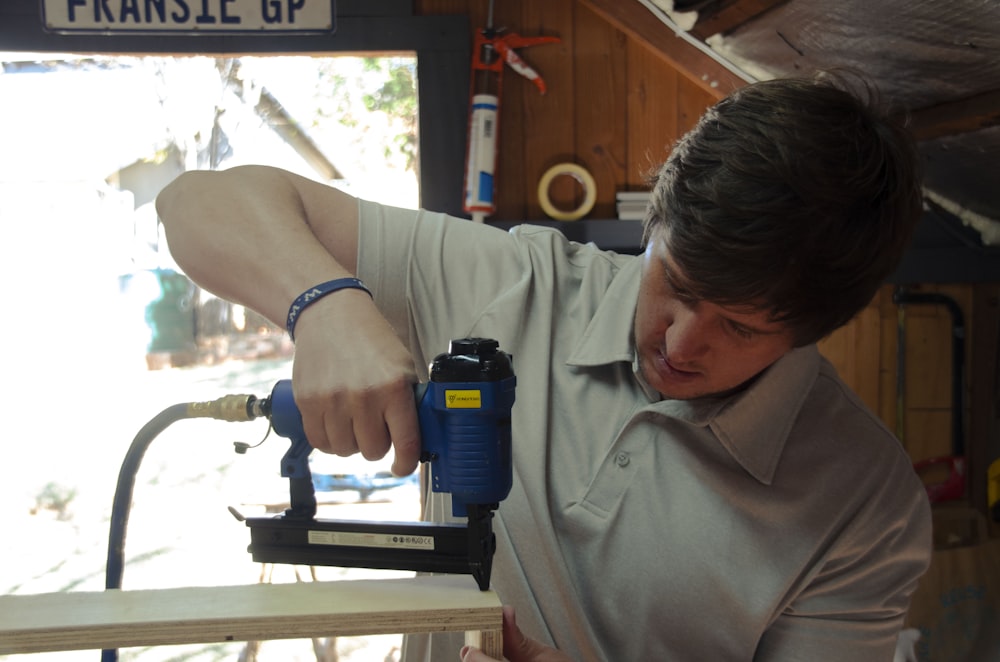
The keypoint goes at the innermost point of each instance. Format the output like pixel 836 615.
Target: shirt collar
pixel 608 336
pixel 752 425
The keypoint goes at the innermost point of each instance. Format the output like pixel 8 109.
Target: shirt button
pixel 622 459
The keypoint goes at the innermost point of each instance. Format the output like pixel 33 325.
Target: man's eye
pixel 741 331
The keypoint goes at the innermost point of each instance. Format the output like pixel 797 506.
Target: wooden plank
pixel 947 119
pixel 652 114
pixel 927 434
pixel 511 187
pixel 888 405
pixel 854 352
pixel 692 102
pixel 928 341
pixel 726 15
pixel 119 619
pixel 600 92
pixel 548 119
pixel 984 403
pixel 642 25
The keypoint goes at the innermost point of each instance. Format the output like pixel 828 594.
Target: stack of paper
pixel 632 205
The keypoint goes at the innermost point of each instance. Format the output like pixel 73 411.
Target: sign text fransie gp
pixel 187 16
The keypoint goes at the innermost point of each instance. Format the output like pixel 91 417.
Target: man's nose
pixel 687 336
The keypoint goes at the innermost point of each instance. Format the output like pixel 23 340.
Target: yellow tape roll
pixel 579 174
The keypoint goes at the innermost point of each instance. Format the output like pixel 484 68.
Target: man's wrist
pixel 317 292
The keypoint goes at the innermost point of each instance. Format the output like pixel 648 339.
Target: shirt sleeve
pixel 433 275
pixel 854 605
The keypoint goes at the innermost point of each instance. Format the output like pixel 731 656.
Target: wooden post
pixel 120 619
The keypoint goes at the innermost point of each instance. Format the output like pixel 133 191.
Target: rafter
pixel 724 16
pixel 634 19
pixel 955 117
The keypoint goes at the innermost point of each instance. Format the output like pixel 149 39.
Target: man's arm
pixel 260 237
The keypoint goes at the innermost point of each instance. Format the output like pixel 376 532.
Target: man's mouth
pixel 672 370
pixel 679 371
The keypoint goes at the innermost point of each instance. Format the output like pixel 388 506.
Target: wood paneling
pixel 614 105
pixel 549 120
pixel 653 87
pixel 692 100
pixel 984 388
pixel 511 194
pixel 854 351
pixel 865 353
pixel 601 141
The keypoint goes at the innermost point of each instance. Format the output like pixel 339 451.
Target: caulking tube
pixel 481 159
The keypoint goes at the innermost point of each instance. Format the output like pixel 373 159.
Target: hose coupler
pixel 234 408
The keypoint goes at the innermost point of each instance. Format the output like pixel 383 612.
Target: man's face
pixel 690 348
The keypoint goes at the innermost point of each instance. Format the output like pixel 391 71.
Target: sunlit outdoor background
pixel 101 331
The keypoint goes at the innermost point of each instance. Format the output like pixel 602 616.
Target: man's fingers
pixel 314 424
pixel 370 422
pixel 340 435
pixel 516 646
pixel 471 654
pixel 519 648
pixel 404 431
pixel 372 436
pixel 514 641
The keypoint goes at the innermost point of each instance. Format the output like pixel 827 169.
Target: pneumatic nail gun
pixel 465 414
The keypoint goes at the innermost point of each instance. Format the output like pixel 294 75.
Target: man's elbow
pixel 170 200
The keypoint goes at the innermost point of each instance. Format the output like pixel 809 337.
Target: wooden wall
pixel 616 105
pixel 865 353
pixel 612 105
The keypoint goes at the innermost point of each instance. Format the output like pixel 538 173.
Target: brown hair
pixel 797 195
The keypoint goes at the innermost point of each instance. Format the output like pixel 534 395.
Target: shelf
pixel 611 234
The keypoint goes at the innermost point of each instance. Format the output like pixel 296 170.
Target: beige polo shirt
pixel 781 523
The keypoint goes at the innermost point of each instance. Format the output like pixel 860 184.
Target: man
pixel 692 481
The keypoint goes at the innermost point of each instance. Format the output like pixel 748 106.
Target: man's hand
pixel 516 646
pixel 353 382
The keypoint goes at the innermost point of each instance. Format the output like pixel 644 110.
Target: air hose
pixel 236 408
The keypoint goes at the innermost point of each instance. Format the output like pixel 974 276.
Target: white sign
pixel 350 539
pixel 187 16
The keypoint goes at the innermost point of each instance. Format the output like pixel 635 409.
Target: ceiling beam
pixel 638 22
pixel 722 16
pixel 955 117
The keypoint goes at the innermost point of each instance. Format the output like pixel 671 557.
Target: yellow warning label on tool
pixel 455 399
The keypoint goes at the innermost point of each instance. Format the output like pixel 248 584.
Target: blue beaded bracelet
pixel 314 294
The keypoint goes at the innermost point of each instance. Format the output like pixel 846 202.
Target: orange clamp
pixel 504 45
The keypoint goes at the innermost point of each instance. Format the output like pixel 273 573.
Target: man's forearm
pixel 257 235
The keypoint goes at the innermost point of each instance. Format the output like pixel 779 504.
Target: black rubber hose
pixel 123 499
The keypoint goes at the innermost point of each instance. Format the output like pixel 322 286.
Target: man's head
pixel 772 223
pixel 796 195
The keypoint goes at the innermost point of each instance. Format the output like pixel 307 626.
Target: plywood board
pixel 119 619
